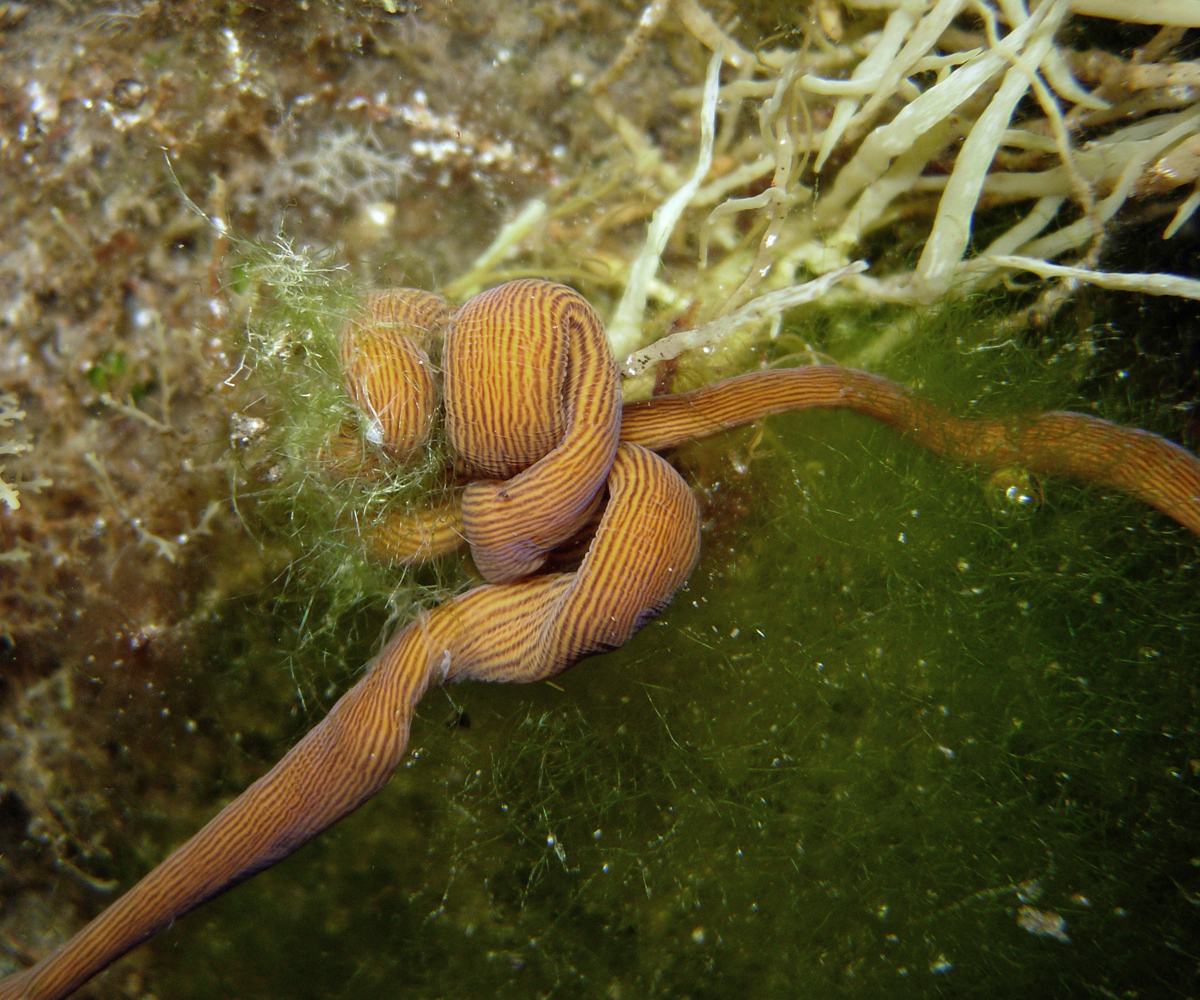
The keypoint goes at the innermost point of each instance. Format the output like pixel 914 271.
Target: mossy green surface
pixel 892 709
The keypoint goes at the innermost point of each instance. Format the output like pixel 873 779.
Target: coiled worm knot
pixel 549 459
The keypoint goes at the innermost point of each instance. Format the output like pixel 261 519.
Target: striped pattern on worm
pixel 646 546
pixel 388 370
pixel 1146 466
pixel 533 409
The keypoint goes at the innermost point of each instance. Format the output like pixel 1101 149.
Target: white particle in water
pixel 1043 923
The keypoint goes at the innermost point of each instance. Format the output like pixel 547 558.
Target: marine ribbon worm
pixel 534 413
pixel 1151 468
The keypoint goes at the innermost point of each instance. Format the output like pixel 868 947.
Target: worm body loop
pixel 388 370
pixel 533 411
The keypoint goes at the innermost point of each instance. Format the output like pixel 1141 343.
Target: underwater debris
pixel 10 494
pixel 1043 923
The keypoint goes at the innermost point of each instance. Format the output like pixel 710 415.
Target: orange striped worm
pixel 409 538
pixel 563 440
pixel 553 432
pixel 533 410
pixel 1146 466
pixel 388 372
pixel 646 546
pixel 1076 445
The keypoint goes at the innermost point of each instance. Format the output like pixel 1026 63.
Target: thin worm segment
pixel 534 414
pixel 1151 468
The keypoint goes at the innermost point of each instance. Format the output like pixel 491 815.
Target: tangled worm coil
pixel 533 412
